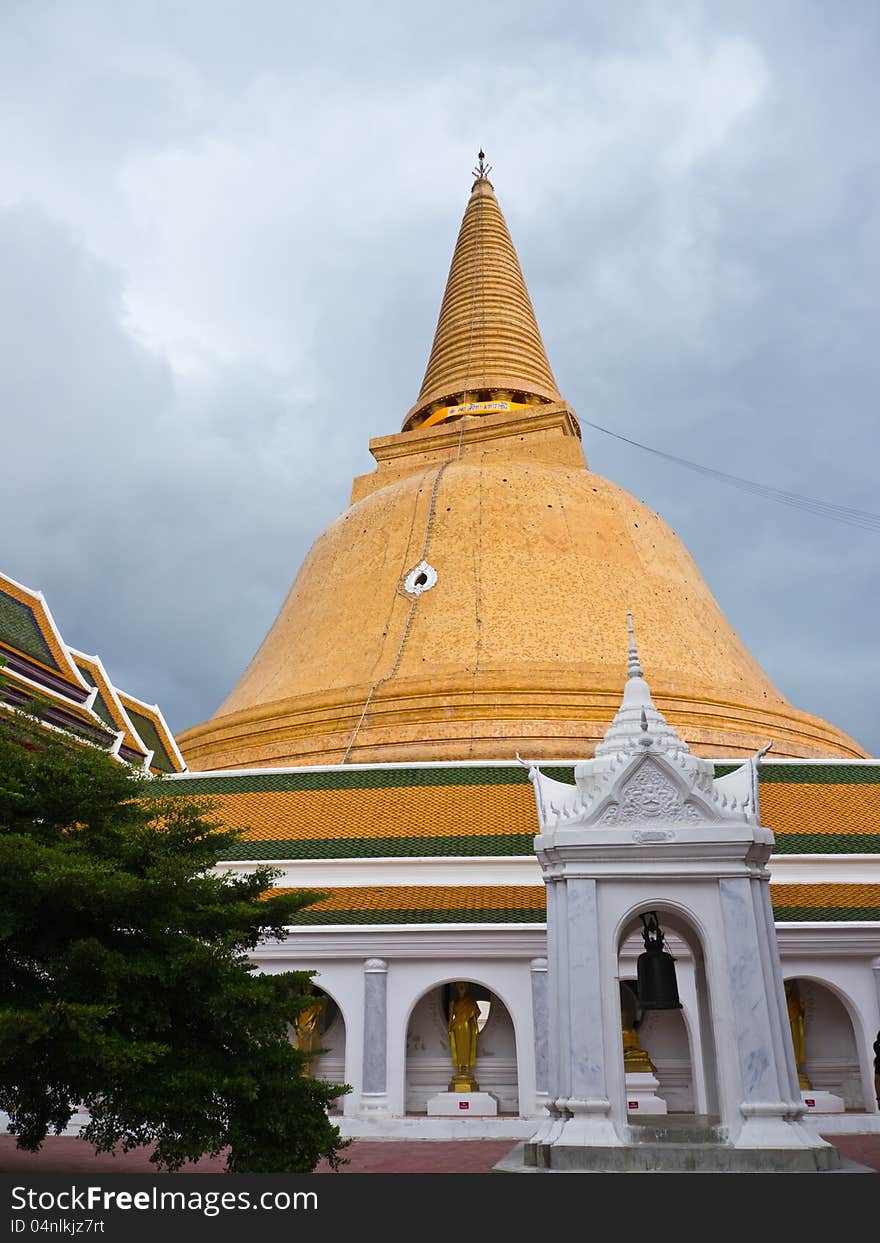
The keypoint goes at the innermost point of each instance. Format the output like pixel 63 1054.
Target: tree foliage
pixel 125 981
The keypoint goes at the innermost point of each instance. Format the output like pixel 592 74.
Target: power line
pixel 861 518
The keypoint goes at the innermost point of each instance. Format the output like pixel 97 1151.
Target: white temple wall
pixel 838 1060
pixel 412 995
pixel 507 1055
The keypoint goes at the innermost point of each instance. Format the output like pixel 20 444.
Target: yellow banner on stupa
pixel 474 407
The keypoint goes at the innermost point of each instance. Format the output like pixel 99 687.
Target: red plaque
pixel 464 1104
pixel 632 1104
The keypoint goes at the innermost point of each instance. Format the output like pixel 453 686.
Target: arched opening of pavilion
pixel 828 1056
pixel 429 1067
pixel 662 1036
pixel 321 1027
pixel 679 1044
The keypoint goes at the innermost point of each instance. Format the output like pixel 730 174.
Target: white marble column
pixel 769 1111
pixel 557 992
pixel 556 995
pixel 583 1046
pixel 776 1003
pixel 540 1022
pixel 374 1092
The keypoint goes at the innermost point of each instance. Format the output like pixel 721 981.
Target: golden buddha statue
pixel 635 1059
pixel 796 1013
pixel 305 1028
pixel 463 1031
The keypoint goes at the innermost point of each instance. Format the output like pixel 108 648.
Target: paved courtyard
pixel 69 1155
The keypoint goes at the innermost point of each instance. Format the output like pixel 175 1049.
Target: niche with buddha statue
pixel 428 1055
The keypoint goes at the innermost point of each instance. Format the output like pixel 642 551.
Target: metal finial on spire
pixel 482 171
pixel 633 667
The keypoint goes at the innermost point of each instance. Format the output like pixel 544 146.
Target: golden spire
pixel 487 342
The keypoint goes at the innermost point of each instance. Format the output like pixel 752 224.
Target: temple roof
pixel 153 731
pixel 28 632
pixel 73 690
pixel 440 844
pixel 526 904
pixel 488 810
pixel 107 703
pixel 487 340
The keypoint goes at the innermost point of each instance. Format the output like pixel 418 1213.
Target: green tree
pixel 125 982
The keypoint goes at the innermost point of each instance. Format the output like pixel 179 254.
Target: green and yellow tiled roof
pixel 153 733
pixel 376 813
pixel 822 808
pixel 489 810
pixel 107 704
pixel 525 904
pixel 799 903
pixel 40 666
pixel 427 904
pixel 81 718
pixel 28 629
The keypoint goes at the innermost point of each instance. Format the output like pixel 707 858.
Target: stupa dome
pixel 470 602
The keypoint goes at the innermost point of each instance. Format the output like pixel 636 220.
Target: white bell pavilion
pixel 648 828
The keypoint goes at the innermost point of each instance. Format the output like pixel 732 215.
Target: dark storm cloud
pixel 224 232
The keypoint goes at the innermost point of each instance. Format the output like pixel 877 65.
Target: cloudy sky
pixel 225 226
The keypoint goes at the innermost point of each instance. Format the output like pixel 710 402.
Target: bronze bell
pixel 658 989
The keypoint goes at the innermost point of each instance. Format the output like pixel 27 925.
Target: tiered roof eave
pixel 39 668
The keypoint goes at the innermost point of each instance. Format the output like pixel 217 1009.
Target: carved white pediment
pixel 649 789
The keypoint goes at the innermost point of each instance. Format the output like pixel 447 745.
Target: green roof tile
pixel 826 914
pixel 20 629
pixel 418 915
pixel 364 779
pixel 483 846
pixel 149 735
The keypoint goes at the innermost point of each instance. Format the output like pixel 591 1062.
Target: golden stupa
pixel 471 602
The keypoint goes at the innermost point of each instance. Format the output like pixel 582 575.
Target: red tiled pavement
pixel 423 1156
pixel 69 1155
pixel 63 1154
pixel 862 1148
